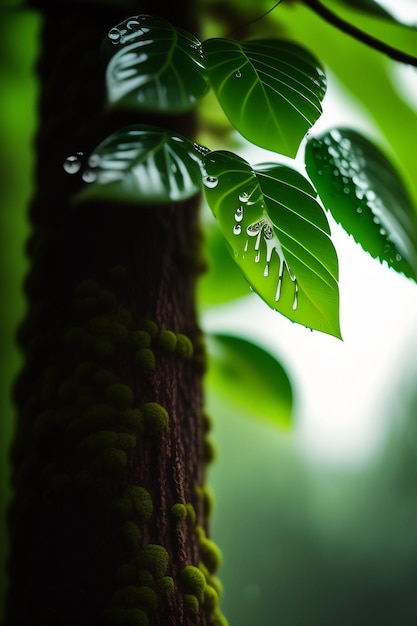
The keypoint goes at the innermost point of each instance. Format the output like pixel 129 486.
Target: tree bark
pixel 109 520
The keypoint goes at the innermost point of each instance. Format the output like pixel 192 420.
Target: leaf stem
pixel 360 35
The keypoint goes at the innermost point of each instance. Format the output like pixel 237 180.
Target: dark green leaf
pixel 249 378
pixel 364 193
pixel 279 237
pixel 142 164
pixel 153 66
pixel 223 281
pixel 271 90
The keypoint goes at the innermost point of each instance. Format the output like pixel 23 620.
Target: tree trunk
pixel 108 523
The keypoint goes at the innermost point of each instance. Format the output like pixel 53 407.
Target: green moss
pixel 155 416
pixel 145 359
pixel 211 597
pixel 184 346
pixel 210 554
pixel 132 534
pixel 150 326
pixel 141 338
pixel 220 620
pixel 103 378
pixel 99 416
pixel 132 419
pixel 167 585
pixel 121 396
pixel 67 389
pixel 103 348
pixel 132 596
pixel 194 581
pixel 178 512
pixel 216 583
pixel 126 441
pixel 84 396
pixel 153 558
pixel 85 370
pixel 127 574
pixel 167 340
pixel 141 501
pixel 87 287
pixel 77 336
pixel 209 451
pixel 113 460
pixel 191 513
pixel 98 441
pixel 191 604
pixel 122 508
pixel 144 577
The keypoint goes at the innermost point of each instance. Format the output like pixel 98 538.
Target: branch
pixel 360 35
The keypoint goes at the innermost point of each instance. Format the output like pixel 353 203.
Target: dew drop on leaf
pixel 243 197
pixel 72 164
pixel 210 181
pixel 237 229
pixel 238 74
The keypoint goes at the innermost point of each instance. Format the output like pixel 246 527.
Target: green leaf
pixel 278 235
pixel 251 379
pixel 142 164
pixel 271 90
pixel 153 66
pixel 223 281
pixel 364 193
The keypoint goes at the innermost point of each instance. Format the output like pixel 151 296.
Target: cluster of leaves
pixel 272 216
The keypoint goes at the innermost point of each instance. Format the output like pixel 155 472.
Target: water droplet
pixel 72 164
pixel 210 181
pixel 238 74
pixel 336 172
pixel 346 190
pixel 114 35
pixel 320 172
pixel 237 229
pixel 89 176
pixel 398 257
pixel 245 249
pixel 359 209
pixel 239 214
pixel 258 256
pixel 370 195
pixel 243 197
pixel 266 270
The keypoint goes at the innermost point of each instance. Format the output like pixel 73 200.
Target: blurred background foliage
pixel 304 544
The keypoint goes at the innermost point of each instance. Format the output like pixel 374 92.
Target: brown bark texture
pixel 109 519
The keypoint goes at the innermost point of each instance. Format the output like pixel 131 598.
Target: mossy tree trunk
pixel 108 523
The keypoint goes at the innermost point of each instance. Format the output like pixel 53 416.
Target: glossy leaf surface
pixel 271 90
pixel 249 378
pixel 364 193
pixel 153 66
pixel 279 237
pixel 142 164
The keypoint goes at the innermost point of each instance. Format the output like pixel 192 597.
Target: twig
pixel 353 31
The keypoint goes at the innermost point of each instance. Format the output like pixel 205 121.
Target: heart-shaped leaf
pixel 278 235
pixel 271 90
pixel 364 193
pixel 144 165
pixel 153 66
pixel 249 378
